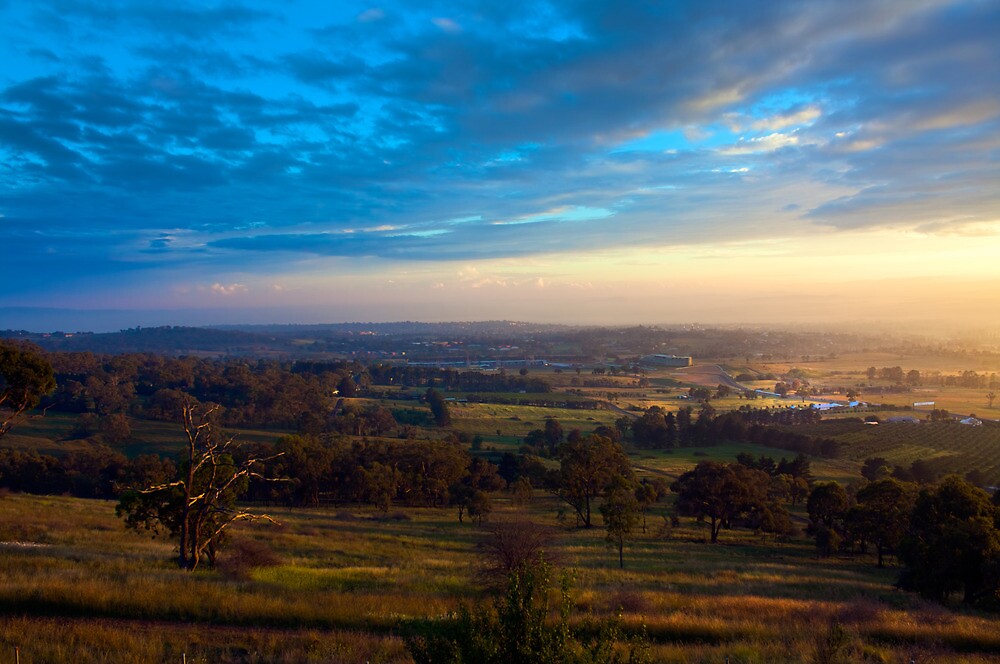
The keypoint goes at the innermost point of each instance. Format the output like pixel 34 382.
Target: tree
pixel 990 398
pixel 798 489
pixel 922 471
pixel 200 505
pixel 798 467
pixel 553 434
pixel 347 387
pixel 620 511
pixel 953 543
pixel 882 514
pixel 381 484
pixel 827 504
pixel 439 407
pixel 723 493
pixel 512 545
pixel 307 462
pixel 647 494
pixel 875 468
pixel 25 377
pixel 827 540
pixel 940 415
pixel 480 506
pixel 586 469
pixel 470 492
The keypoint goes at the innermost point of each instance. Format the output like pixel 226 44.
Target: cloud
pixel 226 290
pixel 371 15
pixel 187 136
pixel 446 24
pixel 767 143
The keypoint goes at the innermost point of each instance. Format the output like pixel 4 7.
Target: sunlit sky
pixel 575 162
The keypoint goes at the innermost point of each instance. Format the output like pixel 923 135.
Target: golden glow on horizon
pixel 825 275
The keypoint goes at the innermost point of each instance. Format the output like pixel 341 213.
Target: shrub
pixel 243 556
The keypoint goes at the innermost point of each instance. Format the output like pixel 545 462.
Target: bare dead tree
pixel 509 546
pixel 200 505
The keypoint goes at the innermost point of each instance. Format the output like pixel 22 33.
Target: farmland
pixel 352 576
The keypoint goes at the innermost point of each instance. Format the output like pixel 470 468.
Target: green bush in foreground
pixel 516 629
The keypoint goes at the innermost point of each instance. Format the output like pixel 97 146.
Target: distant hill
pixel 166 340
pixel 405 328
pixel 263 340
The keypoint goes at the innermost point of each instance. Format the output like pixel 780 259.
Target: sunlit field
pixel 352 583
pixel 349 584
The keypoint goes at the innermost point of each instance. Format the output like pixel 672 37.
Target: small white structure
pixel 971 422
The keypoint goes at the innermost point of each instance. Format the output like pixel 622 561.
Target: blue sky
pixel 560 161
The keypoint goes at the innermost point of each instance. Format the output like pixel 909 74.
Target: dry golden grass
pixel 349 584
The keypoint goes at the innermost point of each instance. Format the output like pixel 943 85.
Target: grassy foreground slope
pixel 350 584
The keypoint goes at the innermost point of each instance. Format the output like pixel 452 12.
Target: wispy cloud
pixel 200 137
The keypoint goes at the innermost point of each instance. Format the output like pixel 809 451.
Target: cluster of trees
pixel 93 471
pixel 658 429
pixel 749 493
pixel 455 380
pixel 919 471
pixel 947 536
pixel 952 544
pixel 967 378
pixel 259 393
pixel 894 375
pixel 424 473
pixel 594 475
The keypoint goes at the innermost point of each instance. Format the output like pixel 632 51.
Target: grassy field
pixel 348 586
pixel 505 426
pixel 351 583
pixel 52 434
pixel 669 464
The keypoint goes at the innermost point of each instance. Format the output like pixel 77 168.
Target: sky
pixel 199 162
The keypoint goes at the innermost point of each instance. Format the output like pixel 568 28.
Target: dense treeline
pixel 423 473
pixel 261 393
pixel 313 469
pixel 658 429
pixel 966 378
pixel 946 535
pixel 455 380
pixel 96 471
